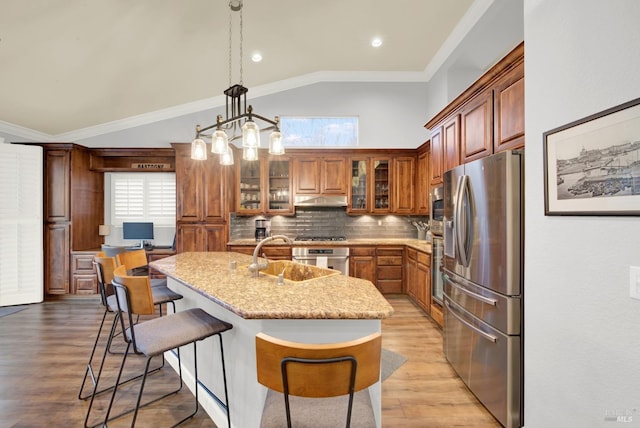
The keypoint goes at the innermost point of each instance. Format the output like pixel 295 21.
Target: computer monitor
pixel 137 230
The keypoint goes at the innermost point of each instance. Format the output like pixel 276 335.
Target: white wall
pixel 581 328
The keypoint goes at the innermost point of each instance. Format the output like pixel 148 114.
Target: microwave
pixel 436 210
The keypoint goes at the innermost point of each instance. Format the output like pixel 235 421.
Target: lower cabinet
pixel 271 252
pixel 153 255
pixel 200 237
pixel 56 258
pixel 84 279
pixel 389 269
pixel 362 263
pixel 418 275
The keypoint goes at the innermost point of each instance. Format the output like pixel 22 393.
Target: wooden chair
pixel 135 259
pixel 313 385
pixel 105 269
pixel 159 335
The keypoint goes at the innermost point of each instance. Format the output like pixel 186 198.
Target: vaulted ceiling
pixel 73 64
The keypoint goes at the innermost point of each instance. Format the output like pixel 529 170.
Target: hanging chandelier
pixel 239 120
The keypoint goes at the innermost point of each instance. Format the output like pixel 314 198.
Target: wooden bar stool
pixel 159 335
pixel 318 385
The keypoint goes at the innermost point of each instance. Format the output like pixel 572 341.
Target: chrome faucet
pixel 255 266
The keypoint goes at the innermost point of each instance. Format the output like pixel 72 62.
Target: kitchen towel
pixel 322 261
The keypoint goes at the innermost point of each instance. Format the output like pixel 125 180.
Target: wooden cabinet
pixel 476 127
pixel 423 179
pixel 74 208
pixel 418 278
pixel 264 186
pixel 153 255
pixel 202 203
pixel 371 190
pixel 200 237
pixel 436 156
pixel 451 143
pixel 488 117
pixel 200 187
pixel 389 269
pixel 271 252
pixel 84 279
pixel 508 114
pixel 320 175
pixel 403 184
pixel 362 263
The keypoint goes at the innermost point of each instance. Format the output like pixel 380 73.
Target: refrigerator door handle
pixel 487 336
pixel 462 222
pixel 471 294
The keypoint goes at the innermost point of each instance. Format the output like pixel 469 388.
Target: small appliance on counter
pixel 261 229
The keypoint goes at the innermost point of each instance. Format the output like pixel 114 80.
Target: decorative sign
pixel 151 166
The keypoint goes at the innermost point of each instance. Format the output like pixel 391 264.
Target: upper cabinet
pixel 423 178
pixel 323 175
pixel 508 115
pixel 264 186
pixel 404 179
pixel 486 118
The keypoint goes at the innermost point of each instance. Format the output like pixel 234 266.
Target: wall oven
pixel 436 210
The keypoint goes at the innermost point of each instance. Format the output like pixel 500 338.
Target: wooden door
pixel 56 258
pixel 306 173
pixel 214 238
pixel 422 182
pixel 423 281
pixel 57 188
pixel 411 285
pixel 451 143
pixel 213 190
pixel 509 110
pixel 362 263
pixel 403 185
pixel 334 176
pixel 359 200
pixel 437 155
pixel 189 237
pixel 476 127
pixel 188 186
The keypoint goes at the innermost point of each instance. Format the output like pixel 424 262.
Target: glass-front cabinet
pixel 381 195
pixel 369 189
pixel 250 201
pixel 279 198
pixel 264 186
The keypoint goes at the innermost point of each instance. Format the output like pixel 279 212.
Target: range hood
pixel 319 201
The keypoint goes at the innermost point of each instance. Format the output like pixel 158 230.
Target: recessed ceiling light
pixel 256 57
pixel 376 42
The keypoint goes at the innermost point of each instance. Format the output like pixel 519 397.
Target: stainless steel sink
pixel 296 272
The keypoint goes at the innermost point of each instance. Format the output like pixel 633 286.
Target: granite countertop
pixel 330 297
pixel 417 244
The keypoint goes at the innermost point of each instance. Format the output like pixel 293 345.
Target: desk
pixel 157 254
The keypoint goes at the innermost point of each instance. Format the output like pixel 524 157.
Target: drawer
pixel 424 258
pixel 389 272
pixel 389 260
pixel 390 252
pixel 412 254
pixel 362 251
pixel 84 284
pixel 82 263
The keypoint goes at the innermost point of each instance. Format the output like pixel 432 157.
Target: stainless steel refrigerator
pixel 483 280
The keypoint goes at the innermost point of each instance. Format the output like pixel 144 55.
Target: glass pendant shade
pixel 250 134
pixel 220 142
pixel 276 147
pixel 226 157
pixel 198 149
pixel 250 153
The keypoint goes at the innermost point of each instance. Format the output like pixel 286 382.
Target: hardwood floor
pixel 44 351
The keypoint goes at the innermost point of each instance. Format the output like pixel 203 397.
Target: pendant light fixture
pixel 240 120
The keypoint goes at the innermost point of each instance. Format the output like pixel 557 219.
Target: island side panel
pixel 246 395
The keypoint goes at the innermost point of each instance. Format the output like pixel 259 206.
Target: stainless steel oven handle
pixel 471 326
pixel 471 294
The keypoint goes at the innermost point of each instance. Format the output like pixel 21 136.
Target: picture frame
pixel 592 165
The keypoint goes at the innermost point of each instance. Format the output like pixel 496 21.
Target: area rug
pixel 8 310
pixel 390 362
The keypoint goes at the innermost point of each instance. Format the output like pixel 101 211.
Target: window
pixel 319 131
pixel 140 196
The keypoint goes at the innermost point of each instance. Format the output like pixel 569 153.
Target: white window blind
pixel 143 197
pixel 21 253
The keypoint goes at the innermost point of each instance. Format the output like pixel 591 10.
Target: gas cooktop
pixel 320 238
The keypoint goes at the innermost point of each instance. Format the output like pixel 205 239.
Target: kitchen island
pixel 332 308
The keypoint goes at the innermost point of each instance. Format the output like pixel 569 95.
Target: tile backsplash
pixel 329 222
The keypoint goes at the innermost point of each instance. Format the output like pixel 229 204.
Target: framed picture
pixel 592 166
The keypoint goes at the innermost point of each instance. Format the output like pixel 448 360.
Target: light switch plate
pixel 634 282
